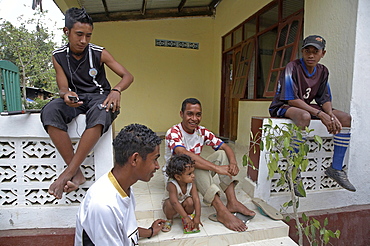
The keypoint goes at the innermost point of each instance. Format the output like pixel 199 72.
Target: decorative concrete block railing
pixel 29 163
pixel 314 179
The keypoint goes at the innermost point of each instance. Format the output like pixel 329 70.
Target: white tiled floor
pixel 149 207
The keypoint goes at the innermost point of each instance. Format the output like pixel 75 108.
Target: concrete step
pixel 282 241
pixel 149 207
pixel 215 233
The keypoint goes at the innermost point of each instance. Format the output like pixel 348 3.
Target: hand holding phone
pixel 73 99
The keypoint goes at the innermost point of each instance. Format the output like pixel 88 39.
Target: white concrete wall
pixel 359 151
pixel 345 25
pixel 335 20
pixel 27 174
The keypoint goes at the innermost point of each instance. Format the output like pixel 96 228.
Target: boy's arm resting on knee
pixel 233 164
pixel 329 119
pixel 201 163
pixel 299 103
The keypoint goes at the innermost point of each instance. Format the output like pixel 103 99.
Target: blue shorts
pixel 58 114
pixel 282 110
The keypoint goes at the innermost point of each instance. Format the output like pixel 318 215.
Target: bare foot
pixel 56 188
pixel 75 182
pixel 231 222
pixel 239 207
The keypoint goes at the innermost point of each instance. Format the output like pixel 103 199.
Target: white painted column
pixel 359 172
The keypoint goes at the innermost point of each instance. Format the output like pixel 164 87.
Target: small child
pixel 182 197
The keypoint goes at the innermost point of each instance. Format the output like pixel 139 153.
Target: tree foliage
pixel 277 140
pixel 29 45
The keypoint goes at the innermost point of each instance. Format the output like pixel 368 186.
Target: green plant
pixel 37 104
pixel 287 142
pixel 316 233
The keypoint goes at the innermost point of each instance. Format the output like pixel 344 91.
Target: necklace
pixel 77 54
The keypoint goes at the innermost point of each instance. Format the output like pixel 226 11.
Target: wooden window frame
pixel 243 68
pixel 283 48
pixel 265 94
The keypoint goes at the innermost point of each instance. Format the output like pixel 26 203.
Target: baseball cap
pixel 314 40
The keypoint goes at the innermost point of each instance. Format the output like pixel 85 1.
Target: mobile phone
pixel 101 106
pixel 73 98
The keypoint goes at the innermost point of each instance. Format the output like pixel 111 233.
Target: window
pixel 242 76
pixel 262 46
pixel 285 50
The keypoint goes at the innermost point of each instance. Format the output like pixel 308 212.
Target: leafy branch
pixel 287 142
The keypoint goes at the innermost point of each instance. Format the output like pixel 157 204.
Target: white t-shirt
pixel 107 215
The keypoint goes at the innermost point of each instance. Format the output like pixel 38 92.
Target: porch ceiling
pixel 124 10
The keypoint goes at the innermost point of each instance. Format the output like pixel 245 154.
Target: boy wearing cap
pixel 302 81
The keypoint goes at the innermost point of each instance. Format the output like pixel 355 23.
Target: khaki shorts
pixel 204 178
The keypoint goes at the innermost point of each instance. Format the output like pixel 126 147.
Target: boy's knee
pixel 300 117
pixel 306 118
pixel 347 120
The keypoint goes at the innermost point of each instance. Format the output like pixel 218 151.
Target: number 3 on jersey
pixel 307 95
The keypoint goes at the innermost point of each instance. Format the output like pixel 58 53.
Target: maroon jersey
pixel 296 82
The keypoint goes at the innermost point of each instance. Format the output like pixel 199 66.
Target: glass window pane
pixel 236 90
pixel 278 57
pixel 288 54
pixel 269 18
pixel 250 88
pixel 238 36
pixel 249 28
pixel 244 53
pixel 245 66
pixel 282 38
pixel 237 58
pixel 227 42
pixel 292 6
pixel 293 32
pixel 274 76
pixel 240 69
pixel 266 43
pixel 250 50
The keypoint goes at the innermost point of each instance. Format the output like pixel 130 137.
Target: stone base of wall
pixel 38 237
pixel 352 221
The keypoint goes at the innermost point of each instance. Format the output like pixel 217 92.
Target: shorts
pixel 58 114
pixel 282 110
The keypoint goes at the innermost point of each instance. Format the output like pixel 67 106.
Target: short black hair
pixel 191 101
pixel 134 138
pixel 178 164
pixel 74 15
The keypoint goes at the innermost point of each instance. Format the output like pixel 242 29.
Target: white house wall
pixel 359 150
pixel 335 20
